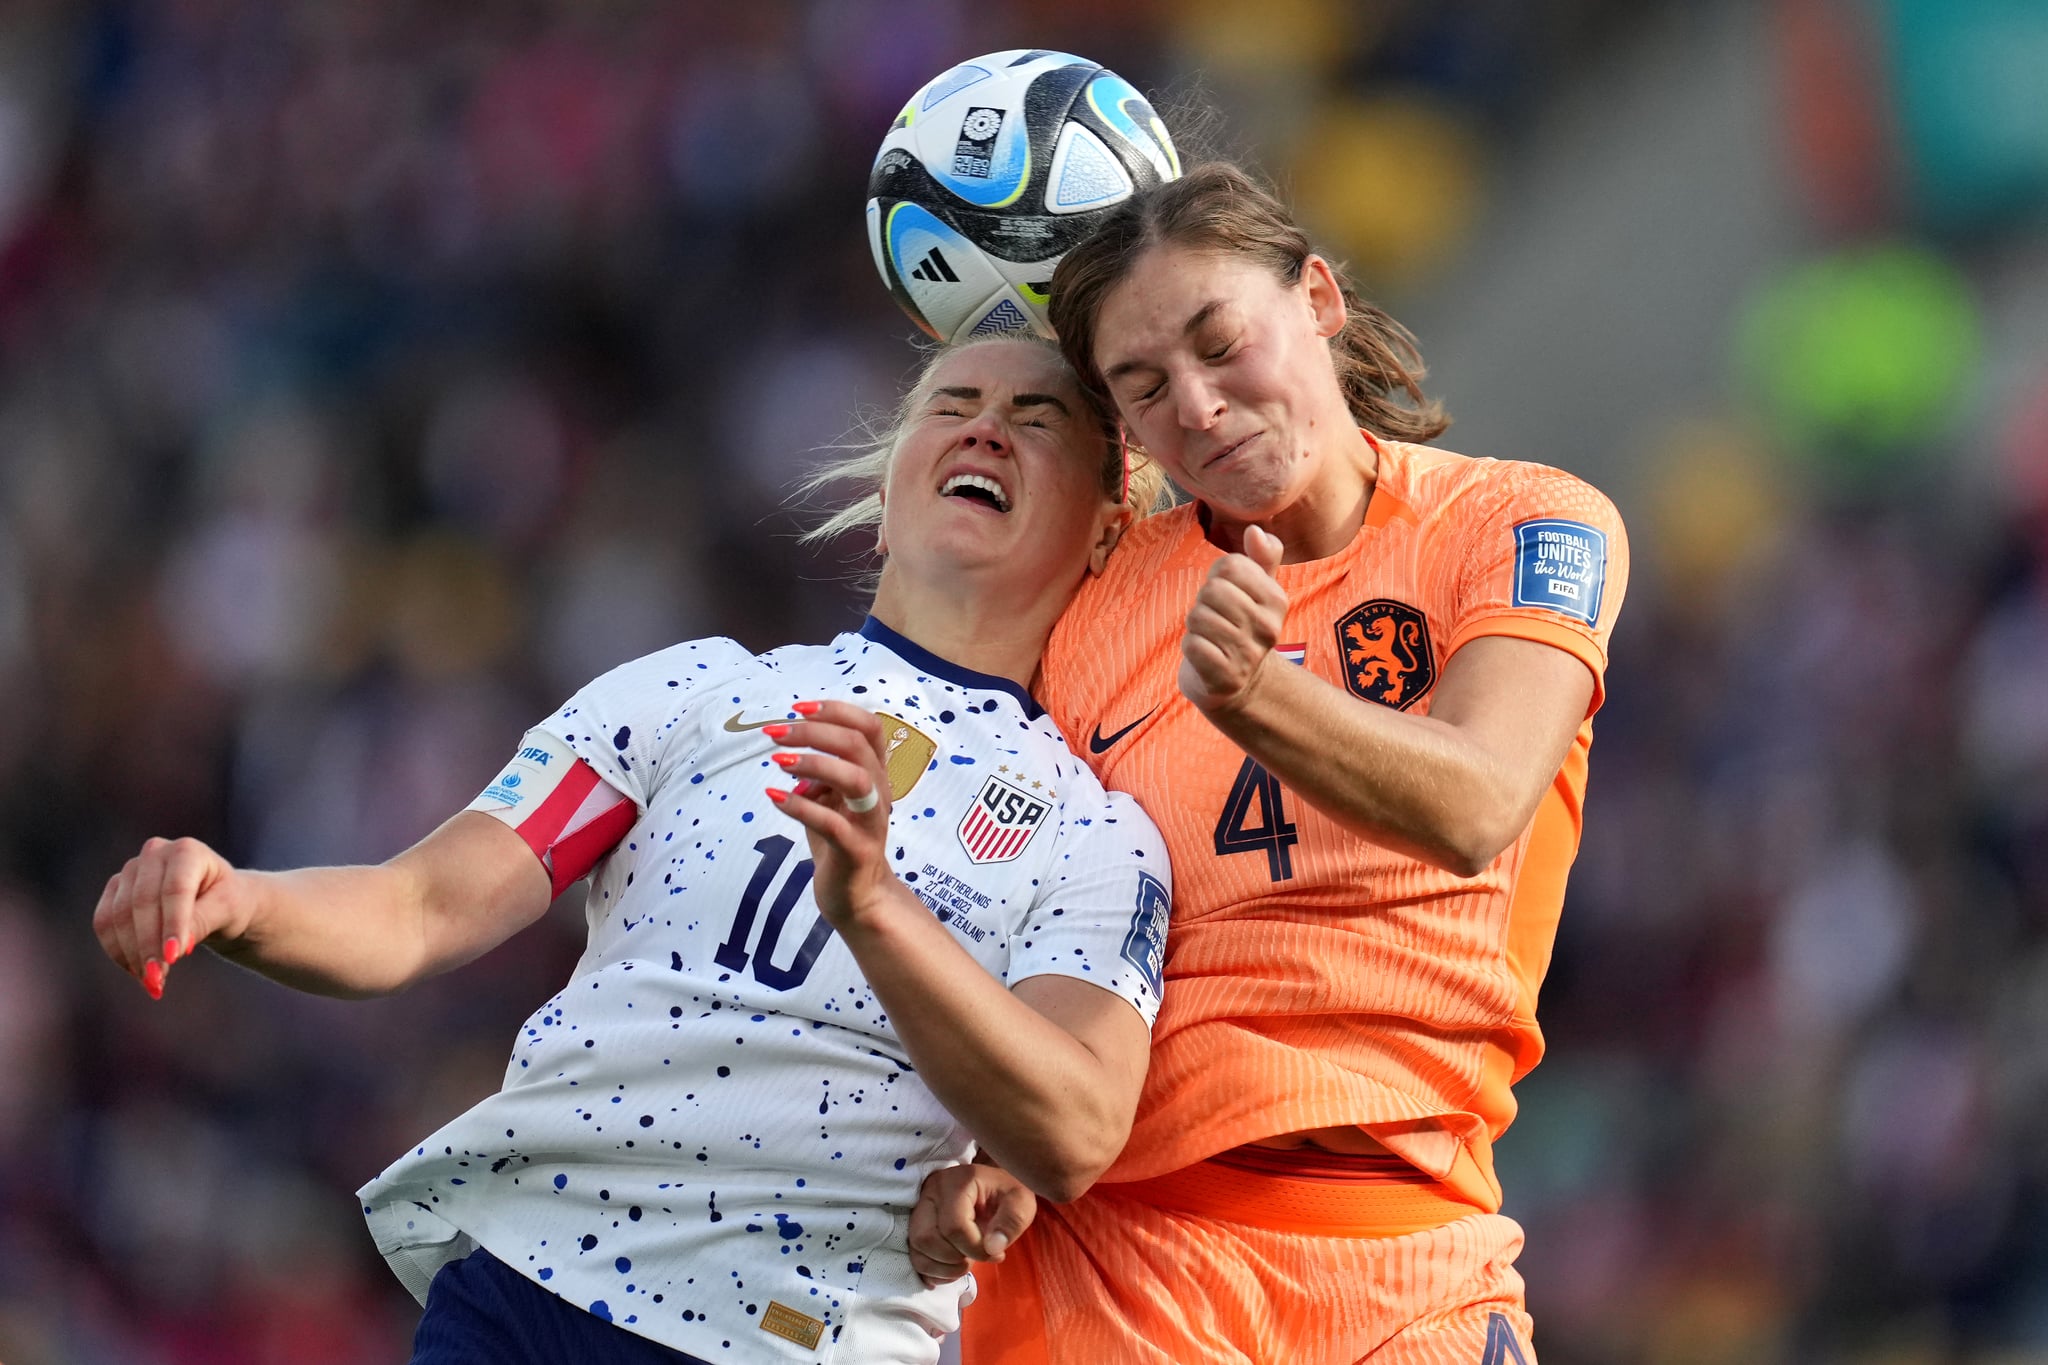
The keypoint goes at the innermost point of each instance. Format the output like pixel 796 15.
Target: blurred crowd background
pixel 373 373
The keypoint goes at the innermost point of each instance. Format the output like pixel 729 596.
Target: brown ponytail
pixel 1218 207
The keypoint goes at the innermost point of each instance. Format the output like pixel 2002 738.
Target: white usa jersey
pixel 711 1136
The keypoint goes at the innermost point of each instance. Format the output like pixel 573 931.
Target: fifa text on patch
pixel 1561 565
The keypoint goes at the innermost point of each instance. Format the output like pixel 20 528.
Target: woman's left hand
pixel 841 800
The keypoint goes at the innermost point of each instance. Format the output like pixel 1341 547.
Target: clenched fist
pixel 1233 626
pixel 965 1214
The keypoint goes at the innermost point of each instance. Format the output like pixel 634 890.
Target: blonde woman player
pixel 795 1002
pixel 1353 680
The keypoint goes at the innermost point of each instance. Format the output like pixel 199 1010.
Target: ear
pixel 1324 296
pixel 1108 534
pixel 881 535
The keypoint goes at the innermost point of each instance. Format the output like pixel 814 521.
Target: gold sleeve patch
pixel 910 750
pixel 801 1328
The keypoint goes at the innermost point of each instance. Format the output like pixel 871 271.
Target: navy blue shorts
pixel 482 1312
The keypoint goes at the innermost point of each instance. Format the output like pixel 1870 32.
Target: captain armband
pixel 565 811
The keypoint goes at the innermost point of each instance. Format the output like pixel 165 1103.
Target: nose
pixel 1197 404
pixel 985 432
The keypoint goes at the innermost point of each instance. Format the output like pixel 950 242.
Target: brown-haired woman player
pixel 1352 681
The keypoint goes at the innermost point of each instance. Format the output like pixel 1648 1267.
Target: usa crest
pixel 1000 823
pixel 1385 648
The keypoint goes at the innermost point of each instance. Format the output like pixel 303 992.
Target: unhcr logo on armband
pixel 506 790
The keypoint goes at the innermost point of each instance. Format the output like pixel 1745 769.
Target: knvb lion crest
pixel 1385 648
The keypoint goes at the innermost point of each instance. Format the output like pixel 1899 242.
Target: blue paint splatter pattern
pixel 714 1114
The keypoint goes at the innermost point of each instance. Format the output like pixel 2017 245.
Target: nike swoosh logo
pixel 1099 743
pixel 732 722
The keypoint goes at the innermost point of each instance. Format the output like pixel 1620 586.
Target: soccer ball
pixel 991 172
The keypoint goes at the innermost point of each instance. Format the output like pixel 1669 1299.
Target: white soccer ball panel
pixel 1085 174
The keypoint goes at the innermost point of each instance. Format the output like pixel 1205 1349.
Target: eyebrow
pixel 1194 324
pixel 1023 400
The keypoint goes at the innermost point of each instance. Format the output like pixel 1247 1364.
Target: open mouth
pixel 978 488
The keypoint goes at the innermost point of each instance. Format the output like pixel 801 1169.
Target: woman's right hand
pixel 842 800
pixel 162 904
pixel 963 1214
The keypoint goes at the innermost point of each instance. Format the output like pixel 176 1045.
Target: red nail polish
pixel 808 708
pixel 805 786
pixel 777 732
pixel 787 760
pixel 153 979
pixel 777 795
pixel 170 951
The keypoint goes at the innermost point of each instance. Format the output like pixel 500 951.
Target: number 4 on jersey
pixel 1274 834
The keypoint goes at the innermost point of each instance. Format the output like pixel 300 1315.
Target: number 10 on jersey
pixel 733 955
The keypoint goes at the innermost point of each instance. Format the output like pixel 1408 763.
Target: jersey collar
pixel 1390 500
pixel 917 656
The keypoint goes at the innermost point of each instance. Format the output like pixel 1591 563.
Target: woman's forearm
pixel 363 931
pixel 1052 1108
pixel 342 931
pixel 1452 788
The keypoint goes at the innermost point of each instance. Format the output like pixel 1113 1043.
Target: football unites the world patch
pixel 1561 565
pixel 1001 821
pixel 1385 648
pixel 1145 944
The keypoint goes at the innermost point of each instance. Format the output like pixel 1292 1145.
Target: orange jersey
pixel 1315 979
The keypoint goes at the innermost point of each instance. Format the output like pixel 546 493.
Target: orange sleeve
pixel 1545 558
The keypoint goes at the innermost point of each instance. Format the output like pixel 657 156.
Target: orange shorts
pixel 1224 1265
